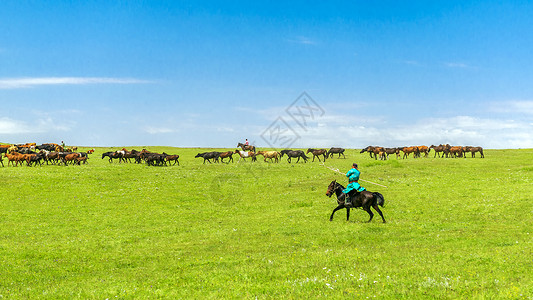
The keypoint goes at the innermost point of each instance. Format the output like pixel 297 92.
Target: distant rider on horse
pixel 353 178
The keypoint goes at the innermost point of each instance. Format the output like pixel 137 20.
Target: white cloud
pixel 44 124
pixel 302 40
pixel 459 130
pixel 513 107
pixel 18 83
pixel 158 130
pixel 10 126
pixel 457 65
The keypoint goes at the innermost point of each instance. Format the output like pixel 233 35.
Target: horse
pixel 473 150
pixel 270 155
pixel 365 200
pixel 293 154
pixel 226 155
pixel 246 147
pixel 14 159
pixel 209 155
pixel 338 151
pixel 370 150
pixel 317 152
pixel 172 158
pixel 437 149
pixel 457 151
pixel 154 159
pixel 389 151
pixel 423 149
pixel 409 150
pixel 244 155
pixel 113 155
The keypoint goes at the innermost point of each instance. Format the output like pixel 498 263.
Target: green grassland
pixel 456 229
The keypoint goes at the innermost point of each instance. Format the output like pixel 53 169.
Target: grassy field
pixel 456 229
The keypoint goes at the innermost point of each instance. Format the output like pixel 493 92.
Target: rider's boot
pixel 347 200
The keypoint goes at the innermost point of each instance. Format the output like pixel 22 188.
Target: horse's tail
pixel 379 198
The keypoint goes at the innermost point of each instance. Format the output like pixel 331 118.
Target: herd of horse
pixel 249 151
pixel 50 153
pixel 150 158
pixel 441 150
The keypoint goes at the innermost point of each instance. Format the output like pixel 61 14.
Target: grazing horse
pixel 365 200
pixel 270 155
pixel 226 155
pixel 246 147
pixel 370 150
pixel 293 154
pixel 338 151
pixel 317 152
pixel 244 155
pixel 1 160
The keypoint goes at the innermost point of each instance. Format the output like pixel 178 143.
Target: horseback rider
pixel 246 143
pixel 353 178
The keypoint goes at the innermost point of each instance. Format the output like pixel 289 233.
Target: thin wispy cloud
pixel 9 126
pixel 158 130
pixel 29 82
pixel 412 63
pixel 513 107
pixel 458 65
pixel 302 40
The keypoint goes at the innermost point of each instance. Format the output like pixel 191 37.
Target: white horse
pixel 246 154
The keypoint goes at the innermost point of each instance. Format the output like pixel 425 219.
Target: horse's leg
pixel 347 214
pixel 367 209
pixel 376 207
pixel 341 206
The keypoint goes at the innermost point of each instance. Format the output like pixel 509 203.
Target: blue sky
pixel 210 73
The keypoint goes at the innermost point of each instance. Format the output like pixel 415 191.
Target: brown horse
pixel 338 151
pixel 228 154
pixel 409 150
pixel 270 155
pixel 423 149
pixel 369 149
pixel 246 147
pixel 473 150
pixel 317 153
pixel 438 149
pixel 364 199
pixel 456 151
pixel 169 158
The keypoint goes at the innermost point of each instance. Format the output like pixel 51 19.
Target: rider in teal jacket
pixel 353 178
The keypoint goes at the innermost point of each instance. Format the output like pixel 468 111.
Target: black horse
pixel 294 154
pixel 209 155
pixel 334 150
pixel 113 155
pixel 365 200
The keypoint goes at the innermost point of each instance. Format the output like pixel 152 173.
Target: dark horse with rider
pixel 355 196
